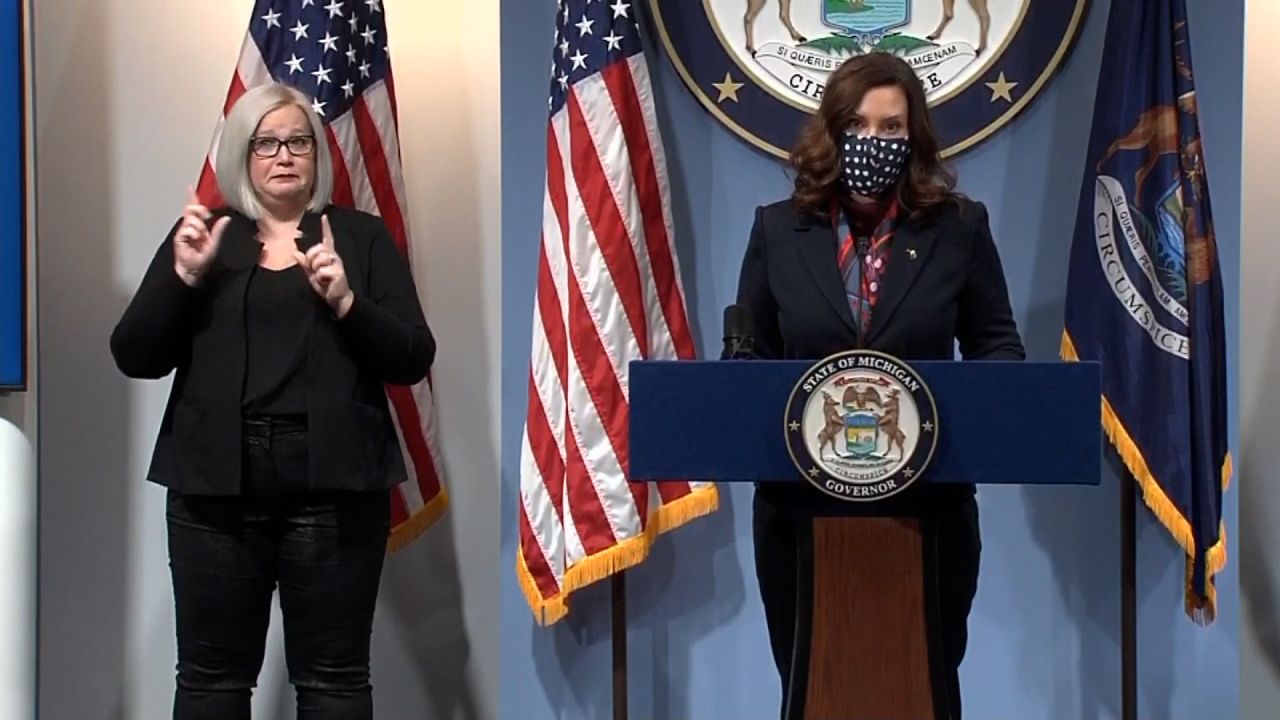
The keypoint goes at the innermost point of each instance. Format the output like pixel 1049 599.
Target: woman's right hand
pixel 195 244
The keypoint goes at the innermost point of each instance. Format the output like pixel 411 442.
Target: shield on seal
pixel 865 17
pixel 861 433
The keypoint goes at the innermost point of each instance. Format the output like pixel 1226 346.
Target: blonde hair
pixel 231 163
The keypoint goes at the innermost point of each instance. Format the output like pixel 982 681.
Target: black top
pixel 277 315
pixel 944 283
pixel 200 335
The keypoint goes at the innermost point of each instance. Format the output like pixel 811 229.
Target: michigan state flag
pixel 1144 292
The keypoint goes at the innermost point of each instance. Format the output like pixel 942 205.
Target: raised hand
pixel 195 244
pixel 326 273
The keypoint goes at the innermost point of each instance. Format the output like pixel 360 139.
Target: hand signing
pixel 195 244
pixel 326 273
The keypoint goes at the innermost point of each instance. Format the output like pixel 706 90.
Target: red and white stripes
pixel 608 292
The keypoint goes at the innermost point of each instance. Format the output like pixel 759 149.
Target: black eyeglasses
pixel 269 147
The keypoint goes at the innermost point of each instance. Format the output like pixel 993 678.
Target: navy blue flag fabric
pixel 1144 292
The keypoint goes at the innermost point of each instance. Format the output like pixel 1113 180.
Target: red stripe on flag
pixel 534 560
pixel 672 490
pixel 606 222
pixel 548 297
pixel 207 188
pixel 399 509
pixel 379 172
pixel 622 90
pixel 233 93
pixel 406 410
pixel 342 193
pixel 589 517
pixel 546 454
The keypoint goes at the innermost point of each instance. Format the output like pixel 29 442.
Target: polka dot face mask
pixel 871 166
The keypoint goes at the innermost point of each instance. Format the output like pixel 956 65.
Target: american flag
pixel 337 54
pixel 608 292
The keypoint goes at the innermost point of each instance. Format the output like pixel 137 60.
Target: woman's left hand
pixel 326 273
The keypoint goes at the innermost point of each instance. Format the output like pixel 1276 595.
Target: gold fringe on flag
pixel 409 530
pixel 545 610
pixel 1163 508
pixel 622 556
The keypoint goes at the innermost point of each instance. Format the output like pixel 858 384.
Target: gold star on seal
pixel 909 473
pixel 813 472
pixel 795 426
pixel 1001 89
pixel 728 89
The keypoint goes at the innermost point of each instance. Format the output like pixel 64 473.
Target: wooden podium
pixel 868 643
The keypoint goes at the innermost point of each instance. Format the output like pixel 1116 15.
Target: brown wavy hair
pixel 925 184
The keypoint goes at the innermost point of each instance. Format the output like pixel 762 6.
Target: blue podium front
pixel 867 630
pixel 1002 423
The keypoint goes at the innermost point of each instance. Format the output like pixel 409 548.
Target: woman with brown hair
pixel 874 250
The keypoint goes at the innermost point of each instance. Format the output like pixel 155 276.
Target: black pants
pixel 959 549
pixel 227 555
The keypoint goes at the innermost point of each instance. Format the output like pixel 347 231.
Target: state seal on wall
pixel 759 66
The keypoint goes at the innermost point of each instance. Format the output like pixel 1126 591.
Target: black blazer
pixel 200 333
pixel 944 283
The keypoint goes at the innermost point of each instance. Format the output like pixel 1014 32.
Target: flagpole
pixel 618 587
pixel 1128 600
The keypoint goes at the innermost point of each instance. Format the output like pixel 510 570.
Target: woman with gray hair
pixel 282 317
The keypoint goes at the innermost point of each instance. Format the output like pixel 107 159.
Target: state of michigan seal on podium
pixel 759 66
pixel 861 425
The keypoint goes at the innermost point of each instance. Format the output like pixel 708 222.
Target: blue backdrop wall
pixel 1045 628
pixel 13 239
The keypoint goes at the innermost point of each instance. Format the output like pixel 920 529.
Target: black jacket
pixel 944 283
pixel 200 333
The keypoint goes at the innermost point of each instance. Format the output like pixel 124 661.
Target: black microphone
pixel 739 333
pixel 862 247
